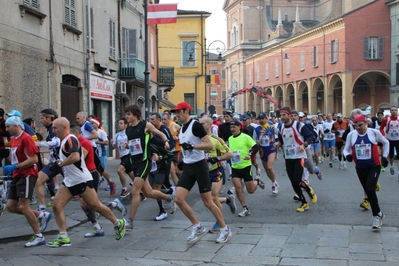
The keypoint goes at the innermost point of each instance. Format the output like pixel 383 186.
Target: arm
pixel 150 128
pixel 205 145
pixel 93 132
pixel 348 145
pixel 28 162
pixel 382 127
pixel 85 152
pixel 71 159
pixel 385 144
pixel 53 143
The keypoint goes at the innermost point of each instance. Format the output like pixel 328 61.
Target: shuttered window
pixel 333 51
pixel 267 71
pixel 90 29
pixel 302 59
pixel 315 56
pixel 277 68
pixel 129 43
pixel 70 13
pixel 32 3
pixel 112 48
pixel 373 48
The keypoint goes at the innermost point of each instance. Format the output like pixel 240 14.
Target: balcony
pixel 131 68
pixel 166 77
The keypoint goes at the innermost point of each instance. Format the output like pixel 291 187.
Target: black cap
pixel 262 115
pixel 49 111
pixel 235 123
pixel 229 113
pixel 294 112
pixel 245 117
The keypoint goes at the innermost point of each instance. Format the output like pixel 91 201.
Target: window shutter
pixel 330 50
pixel 267 71
pixel 32 3
pixel 313 61
pixel 302 60
pixel 380 47
pixel 257 74
pixel 277 68
pixel 366 48
pixel 317 56
pixel 124 33
pixel 288 65
pixel 112 51
pixel 67 12
pixel 73 13
pixel 91 25
pixel 335 54
pixel 132 43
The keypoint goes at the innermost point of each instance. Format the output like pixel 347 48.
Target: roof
pixel 192 12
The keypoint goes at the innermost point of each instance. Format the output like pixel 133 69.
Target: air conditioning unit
pixel 121 87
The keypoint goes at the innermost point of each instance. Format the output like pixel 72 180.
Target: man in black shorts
pixel 194 142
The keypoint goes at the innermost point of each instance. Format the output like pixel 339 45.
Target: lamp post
pixel 191 60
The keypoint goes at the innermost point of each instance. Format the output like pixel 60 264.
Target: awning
pixel 166 103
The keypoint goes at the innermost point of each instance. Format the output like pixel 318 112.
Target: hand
pixel 167 145
pixel 349 157
pixel 336 133
pixel 384 162
pixel 8 169
pixel 187 146
pixel 213 160
pixel 326 131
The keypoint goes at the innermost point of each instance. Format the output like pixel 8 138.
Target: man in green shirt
pixel 243 147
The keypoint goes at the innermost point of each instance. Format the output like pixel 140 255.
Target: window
pixel 288 66
pixel 397 73
pixel 129 43
pixel 333 51
pixel 277 68
pixel 152 49
pixel 112 47
pixel 315 57
pixel 257 74
pixel 214 71
pixel 214 93
pixel 223 74
pixel 90 28
pixel 189 97
pixel 267 71
pixel 302 59
pixel 187 48
pixel 234 36
pixel 32 3
pixel 250 76
pixel 70 13
pixel 373 48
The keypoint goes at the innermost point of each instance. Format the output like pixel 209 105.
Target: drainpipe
pixel 88 57
pixel 52 60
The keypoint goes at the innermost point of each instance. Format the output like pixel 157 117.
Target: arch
pixel 268 106
pixel 318 96
pixel 303 99
pixel 251 103
pixel 154 108
pixel 279 96
pixel 70 80
pixel 384 106
pixel 335 89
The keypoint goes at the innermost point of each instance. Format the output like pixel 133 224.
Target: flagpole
pixel 146 70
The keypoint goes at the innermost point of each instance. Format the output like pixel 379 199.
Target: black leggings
pixel 368 177
pixel 295 172
pixel 393 144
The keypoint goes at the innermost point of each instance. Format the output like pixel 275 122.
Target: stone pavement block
pixel 236 249
pixel 298 251
pixel 371 263
pixel 196 256
pixel 173 245
pixel 307 231
pixel 272 241
pixel 365 236
pixel 366 257
pixel 4 262
pixel 336 232
pixel 391 255
pixel 303 239
pixel 269 252
pixel 244 239
pixel 332 227
pixel 332 253
pixel 32 260
pixel 253 231
pixel 280 230
pixel 233 259
pixel 333 242
pixel 366 248
pixel 312 262
pixel 128 260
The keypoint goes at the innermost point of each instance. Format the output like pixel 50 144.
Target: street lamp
pixel 191 61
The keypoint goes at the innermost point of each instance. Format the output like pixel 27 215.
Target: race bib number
pixel 14 158
pixel 236 159
pixel 363 151
pixel 341 133
pixel 291 151
pixel 330 136
pixel 264 141
pixel 135 147
pixel 394 133
pixel 154 166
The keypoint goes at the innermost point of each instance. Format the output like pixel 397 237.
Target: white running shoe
pixel 224 235
pixel 195 232
pixel 161 216
pixel 275 186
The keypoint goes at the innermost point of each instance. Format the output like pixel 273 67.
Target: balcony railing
pixel 166 76
pixel 131 68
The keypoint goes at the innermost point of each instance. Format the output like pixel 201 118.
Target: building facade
pixel 178 43
pixel 75 56
pixel 316 57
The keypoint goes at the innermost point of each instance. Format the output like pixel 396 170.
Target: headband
pixel 288 112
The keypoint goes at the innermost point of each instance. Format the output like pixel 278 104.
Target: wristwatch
pixel 59 163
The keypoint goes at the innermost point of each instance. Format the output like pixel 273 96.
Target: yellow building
pixel 179 42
